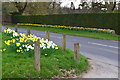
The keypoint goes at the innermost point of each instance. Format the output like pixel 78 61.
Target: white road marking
pixel 56 37
pixel 103 45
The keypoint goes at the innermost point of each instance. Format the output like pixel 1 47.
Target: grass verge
pixel 0 56
pixel 95 35
pixel 22 65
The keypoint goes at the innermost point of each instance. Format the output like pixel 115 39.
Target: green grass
pixel 96 35
pixel 17 65
pixel 0 57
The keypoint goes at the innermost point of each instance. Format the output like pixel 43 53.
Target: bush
pixel 94 20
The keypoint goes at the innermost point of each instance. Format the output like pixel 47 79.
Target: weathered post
pixel 76 52
pixel 47 35
pixel 28 31
pixel 64 42
pixel 6 27
pixel 37 56
pixel 16 28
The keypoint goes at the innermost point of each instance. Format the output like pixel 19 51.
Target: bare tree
pixel 72 6
pixel 20 6
pixel 110 6
pixel 54 8
pixel 119 6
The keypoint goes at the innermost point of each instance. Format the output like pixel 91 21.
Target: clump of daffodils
pixel 70 27
pixel 12 33
pixel 24 43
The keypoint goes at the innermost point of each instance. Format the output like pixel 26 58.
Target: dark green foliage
pixel 94 20
pixel 16 13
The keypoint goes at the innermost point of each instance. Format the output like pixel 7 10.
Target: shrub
pixel 93 20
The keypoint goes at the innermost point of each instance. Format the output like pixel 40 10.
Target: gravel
pixel 101 70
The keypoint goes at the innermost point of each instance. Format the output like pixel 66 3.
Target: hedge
pixel 94 20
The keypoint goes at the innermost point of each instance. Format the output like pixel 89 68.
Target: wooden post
pixel 28 31
pixel 76 52
pixel 64 42
pixel 16 28
pixel 47 35
pixel 37 56
pixel 6 27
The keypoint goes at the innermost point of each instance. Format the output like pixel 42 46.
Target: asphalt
pixel 105 51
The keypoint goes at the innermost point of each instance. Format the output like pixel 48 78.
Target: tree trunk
pixel 20 8
pixel 111 6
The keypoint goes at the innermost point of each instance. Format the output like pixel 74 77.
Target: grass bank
pixel 95 35
pixel 60 63
pixel 0 56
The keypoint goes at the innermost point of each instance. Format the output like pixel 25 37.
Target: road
pixel 105 51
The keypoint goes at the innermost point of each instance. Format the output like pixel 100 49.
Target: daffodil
pixel 20 47
pixel 13 40
pixel 7 43
pixel 23 42
pixel 17 50
pixel 17 44
pixel 67 27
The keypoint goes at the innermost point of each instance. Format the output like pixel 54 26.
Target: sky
pixel 67 3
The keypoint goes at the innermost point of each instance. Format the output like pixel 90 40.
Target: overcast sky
pixel 67 3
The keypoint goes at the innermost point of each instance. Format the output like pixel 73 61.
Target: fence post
pixel 28 31
pixel 6 27
pixel 76 51
pixel 37 56
pixel 47 35
pixel 16 28
pixel 64 42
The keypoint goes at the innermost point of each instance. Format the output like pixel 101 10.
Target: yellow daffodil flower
pixel 20 47
pixel 17 50
pixel 17 44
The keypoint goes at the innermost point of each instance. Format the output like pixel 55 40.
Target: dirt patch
pixel 100 70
